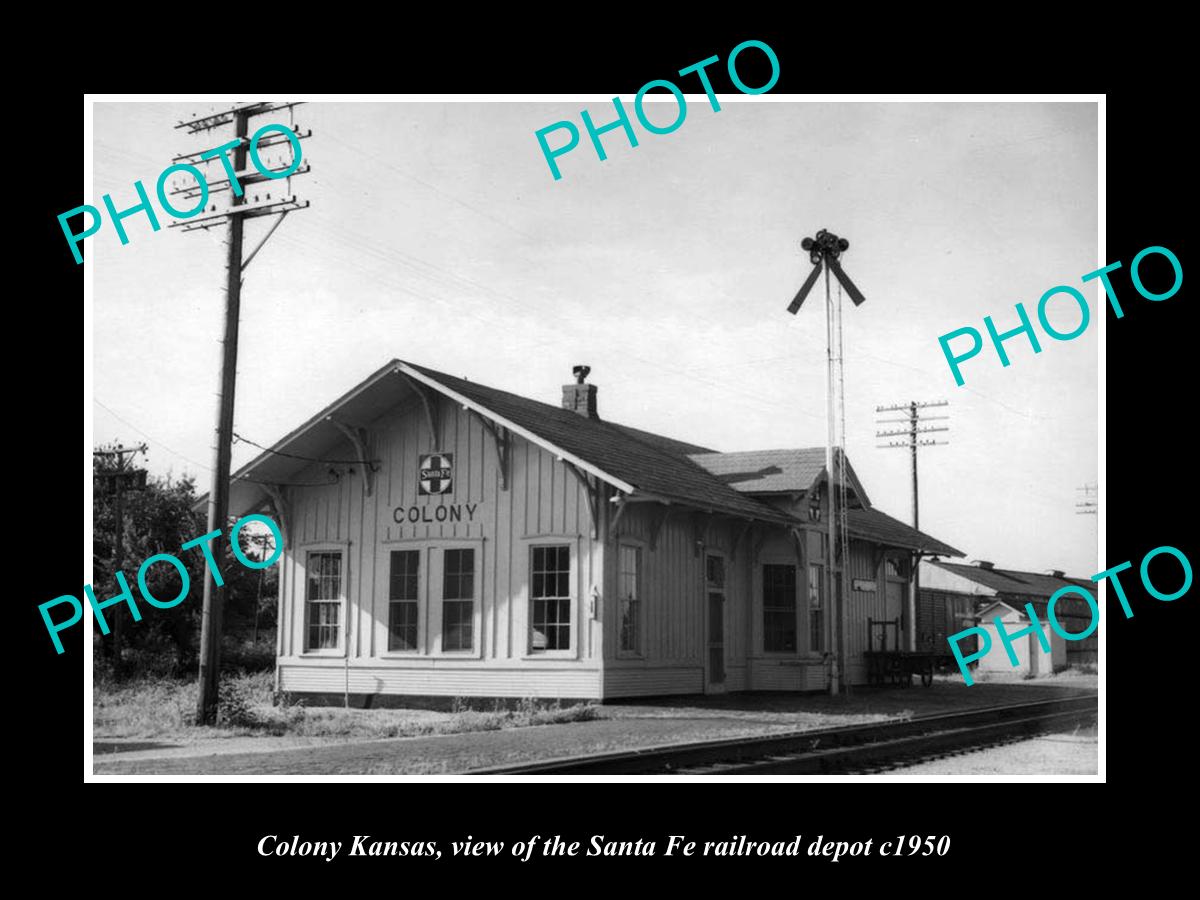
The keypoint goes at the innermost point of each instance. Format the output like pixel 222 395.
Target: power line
pixel 334 462
pixel 432 187
pixel 146 435
pixel 334 478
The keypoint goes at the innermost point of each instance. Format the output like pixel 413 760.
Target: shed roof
pixel 878 526
pixel 1012 581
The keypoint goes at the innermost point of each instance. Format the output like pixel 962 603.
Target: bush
pixel 238 698
pixel 248 656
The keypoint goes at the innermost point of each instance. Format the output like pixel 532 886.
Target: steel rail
pixel 829 749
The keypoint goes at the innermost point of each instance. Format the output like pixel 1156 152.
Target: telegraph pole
pixel 242 207
pixel 913 419
pixel 1088 506
pixel 913 440
pixel 118 480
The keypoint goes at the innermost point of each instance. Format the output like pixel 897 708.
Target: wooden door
pixel 714 568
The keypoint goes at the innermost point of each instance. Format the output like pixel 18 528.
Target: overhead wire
pixel 147 435
pixel 333 462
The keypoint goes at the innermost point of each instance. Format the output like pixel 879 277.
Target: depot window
pixel 458 599
pixel 323 600
pixel 779 608
pixel 402 600
pixel 550 598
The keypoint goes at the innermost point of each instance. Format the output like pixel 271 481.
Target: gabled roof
pixel 774 471
pixel 635 462
pixel 1068 607
pixel 1012 581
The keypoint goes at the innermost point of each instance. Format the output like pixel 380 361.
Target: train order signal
pixel 825 248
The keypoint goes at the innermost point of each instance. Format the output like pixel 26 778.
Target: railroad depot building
pixel 457 540
pixel 956 596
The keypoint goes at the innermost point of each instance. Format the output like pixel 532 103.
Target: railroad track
pixel 855 749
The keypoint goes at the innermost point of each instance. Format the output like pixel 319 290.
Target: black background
pixel 1003 835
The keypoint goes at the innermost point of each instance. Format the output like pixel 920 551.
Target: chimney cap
pixel 581 373
pixel 983 563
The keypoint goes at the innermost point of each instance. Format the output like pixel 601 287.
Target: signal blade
pixel 794 307
pixel 854 292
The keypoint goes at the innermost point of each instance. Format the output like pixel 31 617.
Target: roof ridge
pixel 556 409
pixel 765 450
pixel 659 457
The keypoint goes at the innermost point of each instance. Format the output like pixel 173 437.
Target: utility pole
pixel 912 441
pixel 1088 506
pixel 242 207
pixel 117 482
pixel 912 437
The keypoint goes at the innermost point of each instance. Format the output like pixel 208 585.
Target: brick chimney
pixel 1057 573
pixel 984 563
pixel 580 397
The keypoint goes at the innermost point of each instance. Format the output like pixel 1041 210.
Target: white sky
pixel 437 235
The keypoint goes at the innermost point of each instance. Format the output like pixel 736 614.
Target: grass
pixel 166 709
pixel 1081 675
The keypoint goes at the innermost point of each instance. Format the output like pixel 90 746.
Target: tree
pixel 161 519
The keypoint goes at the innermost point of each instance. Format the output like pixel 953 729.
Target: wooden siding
pixel 544 503
pixel 789 675
pixel 652 681
pixel 444 681
pixel 673 653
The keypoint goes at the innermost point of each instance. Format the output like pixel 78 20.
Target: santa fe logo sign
pixel 435 474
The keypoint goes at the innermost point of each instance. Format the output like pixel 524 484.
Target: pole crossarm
pixel 251 177
pixel 195 159
pixel 228 116
pixel 247 211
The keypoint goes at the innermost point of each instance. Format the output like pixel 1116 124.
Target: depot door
pixel 714 577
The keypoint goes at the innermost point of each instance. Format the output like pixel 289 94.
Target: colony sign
pixel 453 512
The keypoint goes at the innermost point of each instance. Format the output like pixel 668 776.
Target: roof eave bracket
pixel 431 407
pixel 502 438
pixel 360 439
pixel 591 495
pixel 282 513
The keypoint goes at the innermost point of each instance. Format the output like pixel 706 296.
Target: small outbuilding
pixel 955 596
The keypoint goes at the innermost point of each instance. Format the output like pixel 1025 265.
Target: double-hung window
pixel 458 599
pixel 550 598
pixel 779 608
pixel 323 599
pixel 629 561
pixel 403 612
